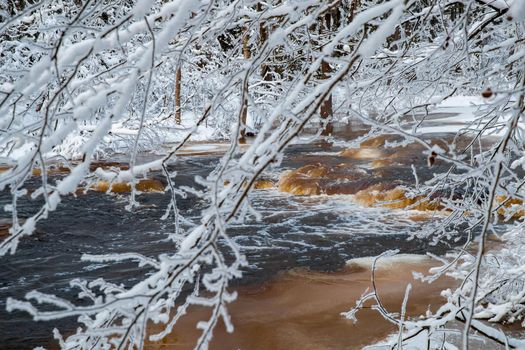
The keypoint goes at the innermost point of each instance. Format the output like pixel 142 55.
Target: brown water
pixel 296 286
pixel 301 310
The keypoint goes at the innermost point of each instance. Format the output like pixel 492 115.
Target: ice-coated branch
pixel 99 78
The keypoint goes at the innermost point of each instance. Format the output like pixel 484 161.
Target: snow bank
pixel 460 113
pixel 388 262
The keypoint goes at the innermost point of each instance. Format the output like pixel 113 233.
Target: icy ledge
pixel 387 262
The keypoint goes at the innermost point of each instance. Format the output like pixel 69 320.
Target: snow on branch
pixel 99 79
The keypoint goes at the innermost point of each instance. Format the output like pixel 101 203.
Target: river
pixel 317 233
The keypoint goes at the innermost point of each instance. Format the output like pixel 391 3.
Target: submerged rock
pixel 146 185
pixel 381 163
pixel 363 153
pixel 315 179
pixel 510 207
pixel 383 195
pixel 378 173
pixel 52 170
pixel 264 184
pixel 298 183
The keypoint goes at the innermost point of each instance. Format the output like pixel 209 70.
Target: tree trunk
pixel 244 112
pixel 353 9
pixel 326 107
pixel 178 114
pixel 263 37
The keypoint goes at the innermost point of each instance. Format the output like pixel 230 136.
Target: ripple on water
pixel 317 232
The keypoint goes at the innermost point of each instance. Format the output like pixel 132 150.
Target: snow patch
pixel 388 262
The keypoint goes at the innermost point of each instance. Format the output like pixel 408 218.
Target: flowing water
pixel 316 233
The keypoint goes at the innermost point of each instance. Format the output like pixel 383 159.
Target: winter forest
pixel 244 174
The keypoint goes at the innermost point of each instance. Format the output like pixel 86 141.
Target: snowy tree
pixel 82 79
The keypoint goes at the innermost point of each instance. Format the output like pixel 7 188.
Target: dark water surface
pixel 319 233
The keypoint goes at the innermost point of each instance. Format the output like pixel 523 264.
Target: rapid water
pixel 315 232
